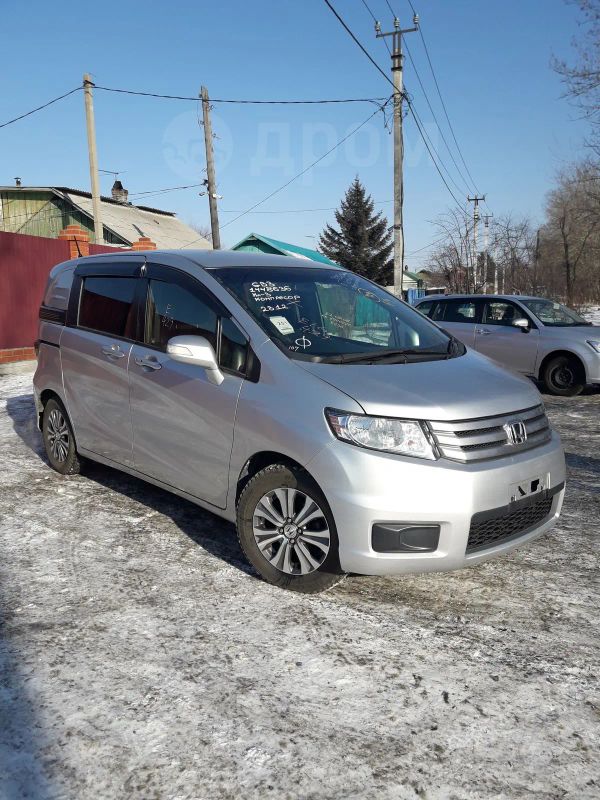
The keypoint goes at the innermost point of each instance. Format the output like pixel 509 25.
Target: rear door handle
pixel 482 331
pixel 148 361
pixel 114 351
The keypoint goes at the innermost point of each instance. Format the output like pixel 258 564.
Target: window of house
pixel 107 306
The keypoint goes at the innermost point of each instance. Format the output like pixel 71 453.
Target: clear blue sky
pixel 492 61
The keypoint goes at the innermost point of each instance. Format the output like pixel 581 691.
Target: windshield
pixel 555 315
pixel 334 315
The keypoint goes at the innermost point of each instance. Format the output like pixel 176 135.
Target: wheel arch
pixel 555 354
pixel 45 395
pixel 262 459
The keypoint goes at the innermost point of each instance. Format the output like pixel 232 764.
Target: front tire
pixel 59 440
pixel 287 531
pixel 563 376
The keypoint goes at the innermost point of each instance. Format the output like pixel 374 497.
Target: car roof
pixel 430 297
pixel 213 259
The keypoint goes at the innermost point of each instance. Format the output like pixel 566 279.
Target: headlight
pixel 594 344
pixel 402 436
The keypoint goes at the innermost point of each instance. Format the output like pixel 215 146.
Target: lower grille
pixel 490 528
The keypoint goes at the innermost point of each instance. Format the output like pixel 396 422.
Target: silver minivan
pixel 531 335
pixel 339 428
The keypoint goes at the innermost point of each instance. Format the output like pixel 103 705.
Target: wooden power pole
pixel 211 184
pixel 93 157
pixel 397 59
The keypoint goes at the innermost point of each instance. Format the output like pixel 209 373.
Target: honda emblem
pixel 516 432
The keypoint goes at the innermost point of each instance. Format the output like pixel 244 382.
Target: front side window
pixel 555 315
pixel 425 308
pixel 173 310
pixel 107 306
pixel 500 313
pixel 331 314
pixel 234 347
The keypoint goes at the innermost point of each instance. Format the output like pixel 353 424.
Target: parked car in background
pixel 531 335
pixel 339 428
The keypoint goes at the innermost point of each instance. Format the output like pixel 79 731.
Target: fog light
pixel 399 537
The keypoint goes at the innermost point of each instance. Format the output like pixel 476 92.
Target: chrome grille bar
pixel 484 438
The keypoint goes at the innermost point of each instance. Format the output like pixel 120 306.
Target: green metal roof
pixel 285 248
pixel 412 275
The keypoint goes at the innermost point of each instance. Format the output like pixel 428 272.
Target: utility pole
pixel 397 59
pixel 486 223
pixel 475 200
pixel 536 260
pixel 93 157
pixel 211 183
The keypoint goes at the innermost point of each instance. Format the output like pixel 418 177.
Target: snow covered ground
pixel 592 314
pixel 141 658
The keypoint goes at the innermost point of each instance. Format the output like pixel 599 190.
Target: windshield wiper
pixel 377 355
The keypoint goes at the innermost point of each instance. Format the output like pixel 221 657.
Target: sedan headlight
pixel 594 344
pixel 401 436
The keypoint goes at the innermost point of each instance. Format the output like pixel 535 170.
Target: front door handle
pixel 148 361
pixel 114 351
pixel 482 331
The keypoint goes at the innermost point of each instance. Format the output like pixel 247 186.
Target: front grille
pixel 486 437
pixel 490 528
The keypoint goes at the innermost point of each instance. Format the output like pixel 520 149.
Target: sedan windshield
pixel 334 315
pixel 555 315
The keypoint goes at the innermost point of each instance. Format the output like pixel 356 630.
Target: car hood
pixel 466 387
pixel 576 333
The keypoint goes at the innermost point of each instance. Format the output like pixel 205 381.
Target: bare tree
pixel 572 229
pixel 582 79
pixel 452 260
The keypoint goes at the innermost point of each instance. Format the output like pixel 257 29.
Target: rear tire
pixel 59 439
pixel 287 531
pixel 563 376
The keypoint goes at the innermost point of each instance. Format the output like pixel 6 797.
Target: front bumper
pixel 364 487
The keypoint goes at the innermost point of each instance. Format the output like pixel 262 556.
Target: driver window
pixel 500 313
pixel 173 310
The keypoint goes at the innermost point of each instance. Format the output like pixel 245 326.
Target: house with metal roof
pixel 46 210
pixel 257 243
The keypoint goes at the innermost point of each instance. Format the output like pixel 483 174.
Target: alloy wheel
pixel 291 531
pixel 58 435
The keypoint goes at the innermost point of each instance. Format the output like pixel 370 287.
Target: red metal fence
pixel 25 262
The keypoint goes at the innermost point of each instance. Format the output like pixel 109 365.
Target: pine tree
pixel 363 242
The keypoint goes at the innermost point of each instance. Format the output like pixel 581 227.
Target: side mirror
pixel 198 351
pixel 522 323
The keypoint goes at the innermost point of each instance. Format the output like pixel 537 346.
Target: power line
pixel 433 149
pixel 437 86
pixel 306 169
pixel 364 49
pixel 409 102
pixel 243 102
pixel 412 111
pixel 425 95
pixel 39 108
pixel 297 210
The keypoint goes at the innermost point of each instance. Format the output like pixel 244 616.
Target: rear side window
pixel 456 311
pixel 107 306
pixel 175 311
